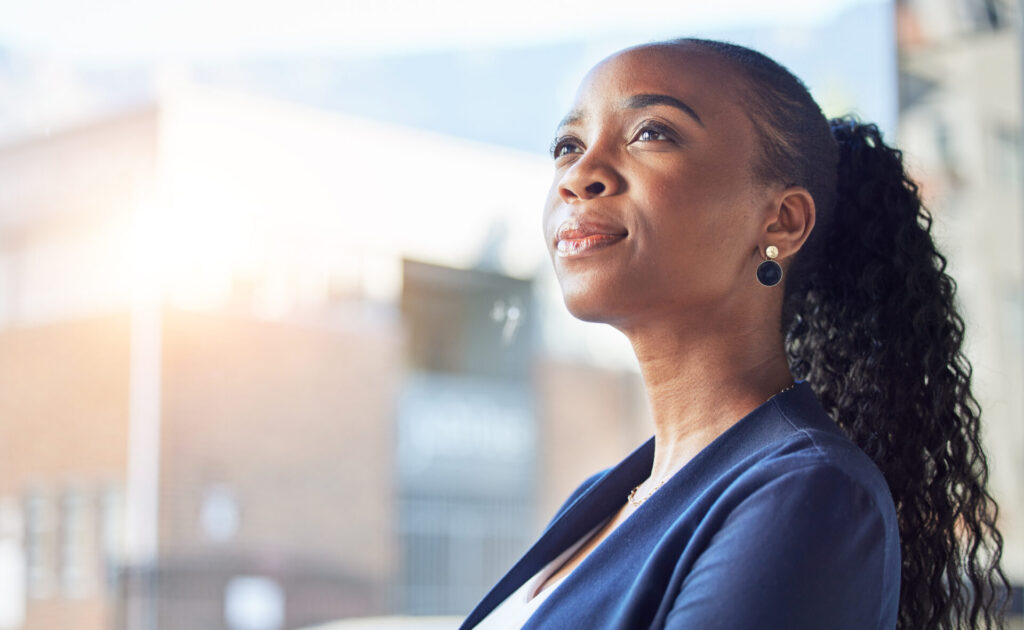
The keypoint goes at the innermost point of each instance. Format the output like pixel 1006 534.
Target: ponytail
pixel 870 321
pixel 874 327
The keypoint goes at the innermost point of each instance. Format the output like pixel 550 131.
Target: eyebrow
pixel 572 117
pixel 640 101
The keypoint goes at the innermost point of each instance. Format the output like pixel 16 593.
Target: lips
pixel 575 237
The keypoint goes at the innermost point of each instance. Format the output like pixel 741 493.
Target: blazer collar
pixel 606 495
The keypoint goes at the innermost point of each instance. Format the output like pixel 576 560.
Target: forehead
pixel 706 82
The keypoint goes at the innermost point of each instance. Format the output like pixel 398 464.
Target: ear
pixel 788 222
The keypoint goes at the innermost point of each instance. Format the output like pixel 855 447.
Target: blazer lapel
pixel 596 504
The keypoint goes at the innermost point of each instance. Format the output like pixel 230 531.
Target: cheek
pixel 702 231
pixel 699 207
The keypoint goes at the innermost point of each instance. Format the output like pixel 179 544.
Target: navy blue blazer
pixel 780 523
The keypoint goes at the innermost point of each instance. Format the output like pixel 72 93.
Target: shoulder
pixel 817 492
pixel 808 471
pixel 808 546
pixel 813 525
pixel 811 488
pixel 816 453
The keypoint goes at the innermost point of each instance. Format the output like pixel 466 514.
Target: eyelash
pixel 658 128
pixel 560 142
pixel 647 126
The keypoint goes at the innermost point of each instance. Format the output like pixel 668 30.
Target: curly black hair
pixel 870 321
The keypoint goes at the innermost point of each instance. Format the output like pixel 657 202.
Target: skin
pixel 681 285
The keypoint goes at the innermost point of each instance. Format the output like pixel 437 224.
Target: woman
pixel 704 207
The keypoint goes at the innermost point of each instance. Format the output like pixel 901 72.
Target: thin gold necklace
pixel 632 495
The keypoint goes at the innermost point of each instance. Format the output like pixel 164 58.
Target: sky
pixel 108 31
pixel 494 73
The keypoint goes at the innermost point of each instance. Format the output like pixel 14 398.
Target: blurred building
pixel 263 367
pixel 961 114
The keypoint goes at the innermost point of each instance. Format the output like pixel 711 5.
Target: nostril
pixel 596 188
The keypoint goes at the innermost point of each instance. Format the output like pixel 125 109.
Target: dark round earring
pixel 769 272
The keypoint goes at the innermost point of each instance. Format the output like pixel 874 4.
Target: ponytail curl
pixel 870 321
pixel 874 328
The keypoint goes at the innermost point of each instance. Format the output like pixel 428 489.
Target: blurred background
pixel 280 344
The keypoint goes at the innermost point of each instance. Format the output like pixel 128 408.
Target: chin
pixel 586 315
pixel 590 308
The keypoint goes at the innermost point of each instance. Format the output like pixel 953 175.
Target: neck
pixel 701 383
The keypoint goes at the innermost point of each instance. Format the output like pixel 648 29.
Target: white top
pixel 518 607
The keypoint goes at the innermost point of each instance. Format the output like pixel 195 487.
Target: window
pixel 40 543
pixel 112 528
pixel 79 544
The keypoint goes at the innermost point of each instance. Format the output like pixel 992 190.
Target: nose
pixel 589 177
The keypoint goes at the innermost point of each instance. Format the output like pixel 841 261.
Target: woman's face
pixel 654 210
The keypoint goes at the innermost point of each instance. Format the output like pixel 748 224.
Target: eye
pixel 564 145
pixel 653 132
